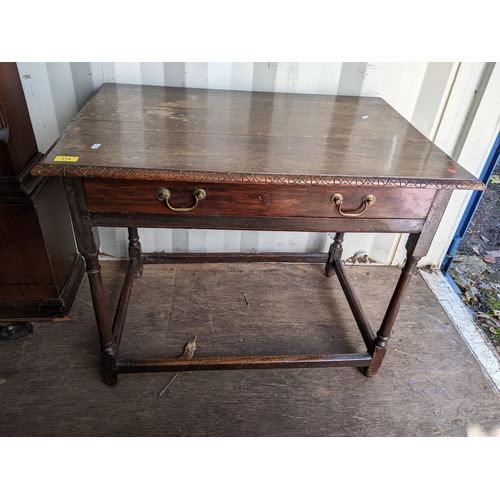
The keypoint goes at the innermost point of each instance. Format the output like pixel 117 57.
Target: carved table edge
pixel 251 178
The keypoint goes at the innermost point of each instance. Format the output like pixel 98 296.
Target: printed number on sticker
pixel 66 158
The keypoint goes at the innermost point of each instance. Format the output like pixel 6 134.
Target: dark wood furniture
pixel 141 156
pixel 40 268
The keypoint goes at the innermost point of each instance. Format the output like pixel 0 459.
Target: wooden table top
pixel 148 132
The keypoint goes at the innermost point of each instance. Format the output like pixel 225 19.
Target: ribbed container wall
pixel 435 97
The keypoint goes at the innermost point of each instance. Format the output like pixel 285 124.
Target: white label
pixel 95 146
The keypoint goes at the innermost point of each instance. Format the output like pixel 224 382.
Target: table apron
pixel 301 224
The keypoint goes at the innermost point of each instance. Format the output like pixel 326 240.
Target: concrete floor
pixel 430 383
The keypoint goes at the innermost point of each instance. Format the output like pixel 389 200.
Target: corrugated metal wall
pixel 437 98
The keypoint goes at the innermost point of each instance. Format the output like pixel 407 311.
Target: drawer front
pixel 250 200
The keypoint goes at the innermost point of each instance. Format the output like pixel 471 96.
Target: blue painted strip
pixel 475 198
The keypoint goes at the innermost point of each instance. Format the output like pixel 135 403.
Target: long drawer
pixel 249 200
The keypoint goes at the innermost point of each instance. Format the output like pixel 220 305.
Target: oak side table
pixel 144 156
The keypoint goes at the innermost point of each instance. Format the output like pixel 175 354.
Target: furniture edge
pixel 250 178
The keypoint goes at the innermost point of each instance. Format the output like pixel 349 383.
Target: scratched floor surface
pixel 429 384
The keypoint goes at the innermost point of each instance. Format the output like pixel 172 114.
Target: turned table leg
pixel 335 252
pixel 384 333
pixel 88 245
pixel 134 249
pixel 417 246
pixel 108 357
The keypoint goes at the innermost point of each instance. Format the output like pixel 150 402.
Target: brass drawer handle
pixel 337 199
pixel 163 194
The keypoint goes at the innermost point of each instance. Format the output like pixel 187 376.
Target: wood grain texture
pixel 442 393
pixel 169 133
pixel 117 195
pixel 244 363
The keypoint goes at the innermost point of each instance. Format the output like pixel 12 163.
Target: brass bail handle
pixel 163 194
pixel 337 199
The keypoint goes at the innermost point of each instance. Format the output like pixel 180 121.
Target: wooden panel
pixel 147 129
pixel 31 270
pixel 105 195
pixel 38 248
pixel 55 223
